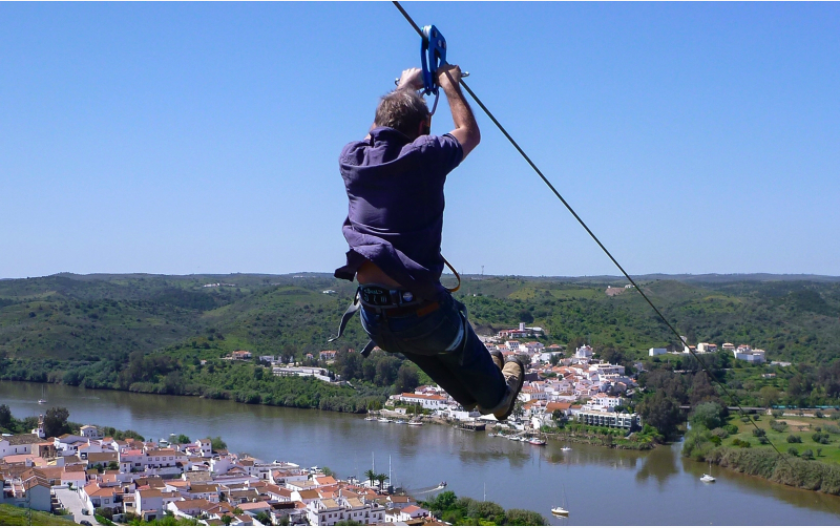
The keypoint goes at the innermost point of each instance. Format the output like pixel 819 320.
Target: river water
pixel 602 486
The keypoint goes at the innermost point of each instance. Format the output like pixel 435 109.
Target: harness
pixel 390 302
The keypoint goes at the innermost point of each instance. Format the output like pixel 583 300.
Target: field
pixel 802 427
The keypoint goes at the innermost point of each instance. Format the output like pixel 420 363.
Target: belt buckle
pixel 376 296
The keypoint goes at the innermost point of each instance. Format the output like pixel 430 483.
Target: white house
pixel 427 401
pixel 90 431
pixel 25 444
pixel 328 512
pixel 584 352
pixel 653 352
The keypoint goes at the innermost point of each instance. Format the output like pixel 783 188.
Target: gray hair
pixel 403 110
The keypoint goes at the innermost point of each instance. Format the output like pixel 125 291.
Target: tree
pixel 769 395
pixel 217 443
pixel 407 378
pixel 381 478
pixel 5 416
pixel 226 519
pixel 386 371
pixel 701 389
pixel 517 517
pixel 708 415
pixel 183 439
pixel 55 421
pixel 661 412
pixel 328 472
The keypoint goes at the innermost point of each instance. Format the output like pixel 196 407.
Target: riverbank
pixel 570 435
pixel 788 470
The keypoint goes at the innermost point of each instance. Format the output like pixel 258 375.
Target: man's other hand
pixel 448 75
pixel 411 78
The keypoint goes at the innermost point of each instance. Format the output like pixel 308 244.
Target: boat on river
pixel 565 448
pixel 707 477
pixel 561 511
pixel 536 441
pixel 43 399
pixel 370 418
pixel 415 422
pixel 385 420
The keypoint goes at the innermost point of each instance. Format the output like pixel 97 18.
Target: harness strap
pixel 458 287
pixel 354 307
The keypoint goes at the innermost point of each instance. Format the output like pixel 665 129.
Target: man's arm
pixel 466 129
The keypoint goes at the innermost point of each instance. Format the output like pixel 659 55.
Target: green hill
pixel 151 332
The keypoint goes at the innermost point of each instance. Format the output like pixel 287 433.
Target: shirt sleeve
pixel 445 152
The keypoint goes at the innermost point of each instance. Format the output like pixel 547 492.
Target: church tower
pixel 40 430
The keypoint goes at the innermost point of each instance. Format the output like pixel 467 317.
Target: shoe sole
pixel 518 389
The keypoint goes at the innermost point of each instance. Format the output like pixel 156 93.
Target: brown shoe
pixel 514 373
pixel 498 359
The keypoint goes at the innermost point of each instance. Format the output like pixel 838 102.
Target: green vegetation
pixel 13 516
pixel 167 520
pixel 742 447
pixel 469 512
pixel 171 334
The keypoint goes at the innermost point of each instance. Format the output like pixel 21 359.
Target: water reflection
pixel 660 465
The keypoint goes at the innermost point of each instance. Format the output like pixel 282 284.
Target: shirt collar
pixel 388 135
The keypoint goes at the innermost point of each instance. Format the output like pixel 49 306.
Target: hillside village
pixel 87 473
pixel 576 387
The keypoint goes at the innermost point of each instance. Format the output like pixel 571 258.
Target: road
pixel 73 503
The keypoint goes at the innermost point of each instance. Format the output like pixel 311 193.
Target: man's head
pixel 404 110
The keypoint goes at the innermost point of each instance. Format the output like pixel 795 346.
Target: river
pixel 602 486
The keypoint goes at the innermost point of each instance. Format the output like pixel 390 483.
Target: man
pixel 394 181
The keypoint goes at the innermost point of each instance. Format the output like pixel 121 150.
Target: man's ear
pixel 425 127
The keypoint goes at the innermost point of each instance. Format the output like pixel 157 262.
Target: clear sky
pixel 203 138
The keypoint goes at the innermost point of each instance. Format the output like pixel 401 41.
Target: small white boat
pixel 415 423
pixel 537 441
pixel 401 422
pixel 370 418
pixel 561 510
pixel 43 399
pixel 384 420
pixel 490 435
pixel 565 448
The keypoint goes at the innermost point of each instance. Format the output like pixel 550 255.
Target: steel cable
pixel 513 142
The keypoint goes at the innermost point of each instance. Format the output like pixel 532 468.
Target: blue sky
pixel 203 138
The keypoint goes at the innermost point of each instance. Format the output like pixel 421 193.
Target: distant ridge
pixel 683 277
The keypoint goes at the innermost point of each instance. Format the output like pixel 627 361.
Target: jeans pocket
pixel 432 335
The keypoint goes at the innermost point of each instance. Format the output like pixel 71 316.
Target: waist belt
pixel 385 301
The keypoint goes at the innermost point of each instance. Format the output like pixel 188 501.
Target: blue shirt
pixel 395 217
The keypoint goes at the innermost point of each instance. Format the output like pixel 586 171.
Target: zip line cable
pixel 595 238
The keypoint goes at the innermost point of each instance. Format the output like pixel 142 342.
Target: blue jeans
pixel 444 345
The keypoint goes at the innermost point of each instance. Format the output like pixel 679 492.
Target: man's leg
pixel 442 375
pixel 473 366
